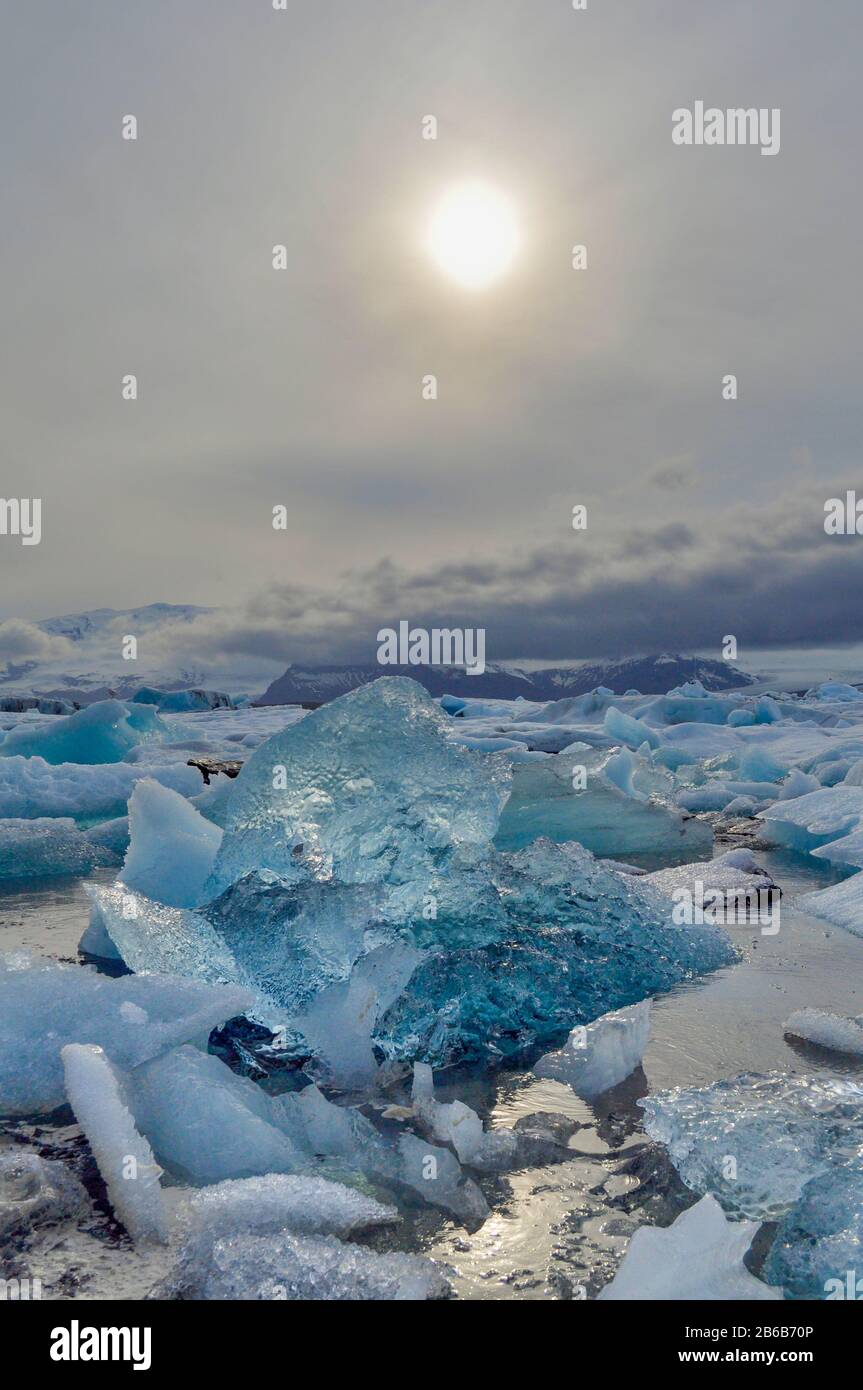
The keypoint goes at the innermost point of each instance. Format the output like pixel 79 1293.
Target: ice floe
pixel 699 1256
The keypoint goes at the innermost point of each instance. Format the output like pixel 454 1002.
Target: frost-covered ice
pixel 125 1159
pixel 44 1006
pixel 597 1057
pixel 171 848
pixel 306 1205
pixel 305 1268
pixel 828 1030
pixel 699 1257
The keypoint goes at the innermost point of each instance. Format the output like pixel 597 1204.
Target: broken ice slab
pixel 205 1123
pixel 44 1006
pixel 302 1268
pixel 699 1256
pixel 808 822
pixel 125 1160
pixel 597 1057
pixel 616 804
pixel 304 1204
pixel 755 1141
pixel 171 846
pixel 368 789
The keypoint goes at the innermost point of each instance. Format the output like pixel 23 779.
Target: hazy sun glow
pixel 473 235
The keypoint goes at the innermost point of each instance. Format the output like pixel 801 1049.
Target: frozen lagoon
pixel 553 1228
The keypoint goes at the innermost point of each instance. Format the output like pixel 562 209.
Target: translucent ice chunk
pixel 436 1175
pixel 598 1057
pixel 612 803
pixel 576 940
pixel 318 1127
pixel 780 1130
pixel 816 1250
pixel 124 1158
pixel 172 846
pixel 35 1191
pixel 45 1006
pixel 293 939
pixel 167 940
pixel 368 788
pixel 42 848
pixel 699 1257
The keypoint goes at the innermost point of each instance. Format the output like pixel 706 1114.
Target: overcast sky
pixel 556 387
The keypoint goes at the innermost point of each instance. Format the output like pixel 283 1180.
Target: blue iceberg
pixel 358 892
pixel 104 732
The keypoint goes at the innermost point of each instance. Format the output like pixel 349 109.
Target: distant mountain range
pixel 87 665
pixel 649 675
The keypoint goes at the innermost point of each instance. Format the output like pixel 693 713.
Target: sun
pixel 473 235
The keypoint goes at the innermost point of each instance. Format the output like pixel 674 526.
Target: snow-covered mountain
pixel 79 657
pixel 651 675
pixel 84 662
pixel 79 627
